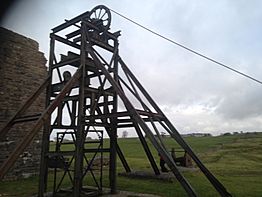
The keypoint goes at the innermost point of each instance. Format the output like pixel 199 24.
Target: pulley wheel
pixel 101 17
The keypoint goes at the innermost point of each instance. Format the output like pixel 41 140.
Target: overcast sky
pixel 196 95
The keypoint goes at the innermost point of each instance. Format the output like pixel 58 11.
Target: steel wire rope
pixel 188 49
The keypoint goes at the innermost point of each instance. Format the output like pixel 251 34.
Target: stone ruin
pixel 22 70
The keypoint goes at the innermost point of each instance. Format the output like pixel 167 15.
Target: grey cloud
pixel 228 31
pixel 242 103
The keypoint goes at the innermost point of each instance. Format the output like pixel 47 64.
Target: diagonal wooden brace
pixel 9 162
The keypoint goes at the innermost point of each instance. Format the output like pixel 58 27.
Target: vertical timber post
pixel 80 120
pixel 43 175
pixel 113 138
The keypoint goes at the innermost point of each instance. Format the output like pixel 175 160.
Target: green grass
pixel 235 160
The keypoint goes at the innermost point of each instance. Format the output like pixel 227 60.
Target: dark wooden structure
pixel 185 160
pixel 99 93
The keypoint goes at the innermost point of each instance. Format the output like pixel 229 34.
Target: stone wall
pixel 22 70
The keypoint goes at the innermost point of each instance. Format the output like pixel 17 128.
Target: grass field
pixel 235 160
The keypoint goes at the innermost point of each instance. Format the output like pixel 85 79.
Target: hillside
pixel 235 160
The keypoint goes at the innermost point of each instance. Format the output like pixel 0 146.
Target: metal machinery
pixel 91 90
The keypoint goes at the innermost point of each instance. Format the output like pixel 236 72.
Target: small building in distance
pixel 196 135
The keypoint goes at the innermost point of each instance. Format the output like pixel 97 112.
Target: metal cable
pixel 188 49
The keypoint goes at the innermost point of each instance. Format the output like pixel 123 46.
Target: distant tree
pixel 89 138
pixel 124 134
